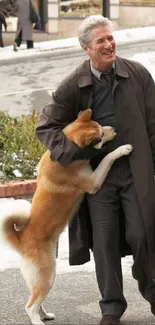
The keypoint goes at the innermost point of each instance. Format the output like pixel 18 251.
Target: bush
pixel 20 150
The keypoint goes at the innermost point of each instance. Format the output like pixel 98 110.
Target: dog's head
pixel 83 130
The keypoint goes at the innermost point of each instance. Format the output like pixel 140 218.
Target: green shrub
pixel 20 150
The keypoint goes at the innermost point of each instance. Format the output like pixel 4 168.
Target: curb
pixel 18 189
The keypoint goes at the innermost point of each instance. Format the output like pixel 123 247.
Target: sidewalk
pixel 75 295
pixel 122 37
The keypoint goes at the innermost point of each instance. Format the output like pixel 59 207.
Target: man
pixel 121 93
pixel 7 8
pixel 2 22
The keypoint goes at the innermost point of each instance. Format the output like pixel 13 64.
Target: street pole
pixel 106 8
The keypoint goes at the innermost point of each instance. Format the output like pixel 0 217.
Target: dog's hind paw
pixel 48 316
pixel 44 315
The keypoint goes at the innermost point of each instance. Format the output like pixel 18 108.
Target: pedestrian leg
pixel 17 41
pixel 29 44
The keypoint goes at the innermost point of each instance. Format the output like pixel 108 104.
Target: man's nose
pixel 108 44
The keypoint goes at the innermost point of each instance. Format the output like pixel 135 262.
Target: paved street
pixel 28 83
pixel 74 298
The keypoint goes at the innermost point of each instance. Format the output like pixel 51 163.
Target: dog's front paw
pixel 126 149
pixel 121 151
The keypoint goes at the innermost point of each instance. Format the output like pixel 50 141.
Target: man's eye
pixel 100 41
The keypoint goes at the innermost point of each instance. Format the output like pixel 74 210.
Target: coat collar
pixel 120 69
pixel 84 72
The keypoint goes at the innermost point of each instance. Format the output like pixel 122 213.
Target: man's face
pixel 101 49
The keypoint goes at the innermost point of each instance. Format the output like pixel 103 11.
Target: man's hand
pixel 89 151
pixel 94 142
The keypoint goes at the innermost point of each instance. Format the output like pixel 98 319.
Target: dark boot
pixel 153 308
pixel 17 41
pixel 110 320
pixel 15 47
pixel 30 45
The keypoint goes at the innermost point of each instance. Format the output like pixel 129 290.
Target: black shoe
pixel 110 320
pixel 15 48
pixel 30 45
pixel 153 308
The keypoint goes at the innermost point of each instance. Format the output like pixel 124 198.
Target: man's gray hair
pixel 89 23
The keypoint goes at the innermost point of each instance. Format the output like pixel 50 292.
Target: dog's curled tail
pixel 14 217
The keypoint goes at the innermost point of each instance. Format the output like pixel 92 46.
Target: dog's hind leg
pixel 40 280
pixel 35 308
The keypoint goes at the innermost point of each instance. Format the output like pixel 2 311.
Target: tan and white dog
pixel 33 229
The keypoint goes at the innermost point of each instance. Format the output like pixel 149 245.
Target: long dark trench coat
pixel 24 22
pixel 134 104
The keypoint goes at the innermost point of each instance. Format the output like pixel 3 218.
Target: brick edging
pixel 17 189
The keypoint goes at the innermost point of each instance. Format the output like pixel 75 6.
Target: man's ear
pixel 85 116
pixel 85 48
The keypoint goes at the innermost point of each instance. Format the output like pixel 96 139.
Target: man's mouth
pixel 108 53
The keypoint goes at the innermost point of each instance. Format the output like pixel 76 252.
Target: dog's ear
pixel 80 113
pixel 85 116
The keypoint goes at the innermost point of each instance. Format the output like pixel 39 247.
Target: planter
pixel 18 189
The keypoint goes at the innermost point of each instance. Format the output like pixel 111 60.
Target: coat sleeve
pixel 149 98
pixel 9 7
pixel 2 19
pixel 60 112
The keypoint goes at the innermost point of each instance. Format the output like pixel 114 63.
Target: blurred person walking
pixel 2 22
pixel 25 24
pixel 7 8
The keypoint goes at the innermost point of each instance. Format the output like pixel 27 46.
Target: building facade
pixel 61 18
pixel 64 16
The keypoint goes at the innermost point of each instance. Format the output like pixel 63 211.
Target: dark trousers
pixel 1 38
pixel 18 41
pixel 104 210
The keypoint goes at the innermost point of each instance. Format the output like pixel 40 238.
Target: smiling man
pixel 120 218
pixel 100 47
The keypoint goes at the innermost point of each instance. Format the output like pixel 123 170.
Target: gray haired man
pixel 121 93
